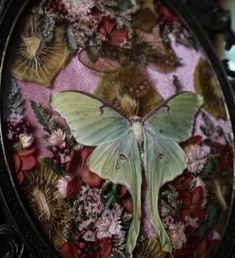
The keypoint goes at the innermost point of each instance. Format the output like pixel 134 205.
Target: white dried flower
pixel 62 185
pixel 57 137
pixel 26 140
pixel 177 235
pixel 197 156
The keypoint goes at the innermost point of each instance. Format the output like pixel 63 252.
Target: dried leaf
pixel 16 103
pixel 42 115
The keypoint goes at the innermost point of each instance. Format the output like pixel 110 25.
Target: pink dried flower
pixel 197 156
pixel 78 8
pixel 108 225
pixel 191 222
pixel 92 199
pixel 86 223
pixel 177 235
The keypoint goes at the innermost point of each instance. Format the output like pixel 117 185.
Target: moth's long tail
pixel 157 223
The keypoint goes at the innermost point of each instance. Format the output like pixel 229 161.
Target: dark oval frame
pixel 23 231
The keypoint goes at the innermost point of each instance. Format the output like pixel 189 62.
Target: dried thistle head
pixel 49 208
pixel 36 60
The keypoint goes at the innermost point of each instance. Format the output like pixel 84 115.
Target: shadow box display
pixel 116 131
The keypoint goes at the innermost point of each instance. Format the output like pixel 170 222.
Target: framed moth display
pixel 116 131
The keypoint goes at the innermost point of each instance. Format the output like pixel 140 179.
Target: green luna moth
pixel 129 149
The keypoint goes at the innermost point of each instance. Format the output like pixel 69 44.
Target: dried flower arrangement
pixel 134 48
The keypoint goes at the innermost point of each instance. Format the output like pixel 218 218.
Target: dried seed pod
pixel 207 85
pixel 47 205
pixel 36 60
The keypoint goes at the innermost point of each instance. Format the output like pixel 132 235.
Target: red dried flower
pixel 106 246
pixel 183 182
pixel 24 160
pixel 167 16
pixel 78 166
pixel 126 200
pixel 69 250
pixel 196 139
pixel 186 251
pixel 73 186
pixel 211 240
pixel 87 176
pixel 116 36
pixel 225 159
pixel 192 204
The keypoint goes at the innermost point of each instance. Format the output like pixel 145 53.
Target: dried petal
pixel 28 163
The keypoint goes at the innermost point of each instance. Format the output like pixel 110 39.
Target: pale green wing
pixel 92 122
pixel 164 160
pixel 120 162
pixel 174 119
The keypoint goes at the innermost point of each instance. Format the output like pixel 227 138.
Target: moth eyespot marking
pixel 168 109
pixel 122 158
pixel 160 156
pixel 160 131
pixel 102 110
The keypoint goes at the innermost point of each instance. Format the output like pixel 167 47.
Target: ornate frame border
pixel 21 235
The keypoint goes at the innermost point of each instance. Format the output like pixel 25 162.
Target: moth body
pixel 137 130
